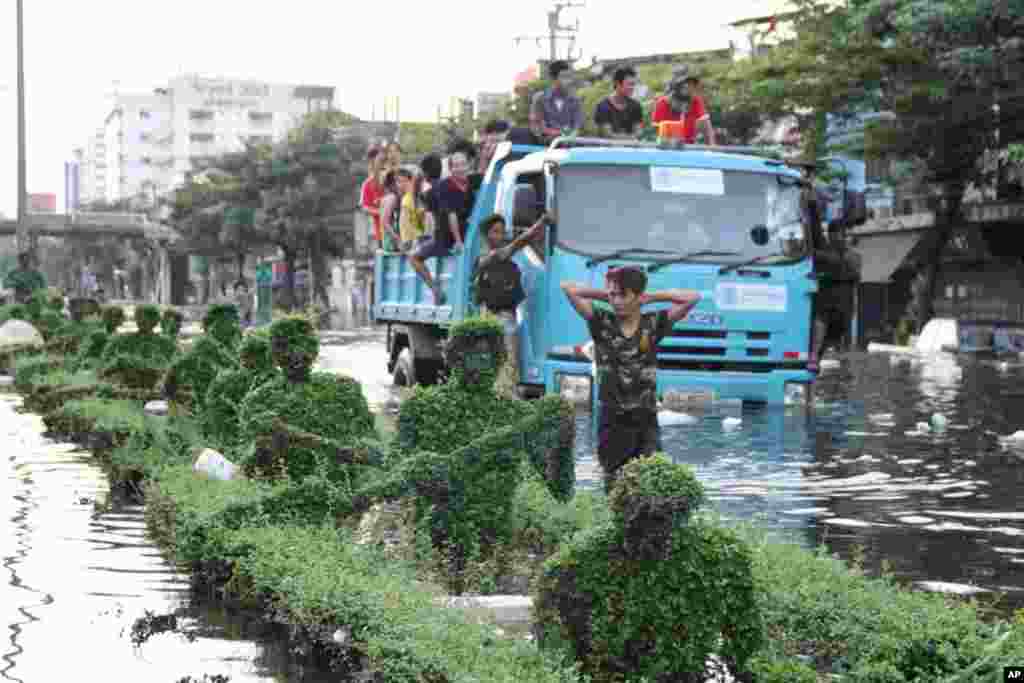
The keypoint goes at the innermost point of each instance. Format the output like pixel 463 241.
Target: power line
pixel 557 32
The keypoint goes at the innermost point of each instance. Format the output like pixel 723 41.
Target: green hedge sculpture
pixel 280 416
pixel 650 595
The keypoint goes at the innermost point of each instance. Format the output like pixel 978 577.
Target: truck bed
pixel 401 296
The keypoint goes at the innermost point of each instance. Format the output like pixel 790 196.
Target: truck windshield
pixel 603 209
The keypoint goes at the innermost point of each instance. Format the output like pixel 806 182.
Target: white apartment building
pixel 152 140
pixel 92 168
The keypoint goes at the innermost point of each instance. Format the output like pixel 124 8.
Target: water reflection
pixel 79 576
pixel 860 473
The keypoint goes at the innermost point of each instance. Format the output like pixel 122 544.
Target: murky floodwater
pixel 855 472
pixel 76 579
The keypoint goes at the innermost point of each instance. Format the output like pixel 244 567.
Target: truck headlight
pixel 574 388
pixel 797 393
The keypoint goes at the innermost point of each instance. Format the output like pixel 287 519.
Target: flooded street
pixel 855 471
pixel 77 576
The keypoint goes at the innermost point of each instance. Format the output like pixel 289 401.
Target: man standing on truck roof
pixel 557 110
pixel 450 202
pixel 684 101
pixel 626 354
pixel 619 115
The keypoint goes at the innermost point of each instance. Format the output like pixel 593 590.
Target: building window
pixel 201 115
pixel 949 292
pixel 200 137
pixel 261 139
pixel 143 114
pixel 262 118
pixel 144 137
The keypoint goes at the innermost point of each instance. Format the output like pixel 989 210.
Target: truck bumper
pixel 768 387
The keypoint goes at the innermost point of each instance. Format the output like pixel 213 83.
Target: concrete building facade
pixel 150 141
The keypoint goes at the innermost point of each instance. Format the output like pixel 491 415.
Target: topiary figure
pixel 113 318
pixel 171 322
pixel 650 595
pixel 138 360
pixel 81 308
pixel 147 317
pixel 444 417
pixel 279 415
pixel 223 324
pixel 90 351
pixel 189 376
pixel 219 418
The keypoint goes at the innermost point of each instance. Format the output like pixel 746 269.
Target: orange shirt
pixel 663 111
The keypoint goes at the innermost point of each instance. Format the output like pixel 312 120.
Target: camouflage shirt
pixel 627 366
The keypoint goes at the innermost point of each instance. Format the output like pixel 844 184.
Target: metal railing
pixel 568 141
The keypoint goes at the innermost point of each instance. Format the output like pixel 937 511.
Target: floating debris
pixel 670 418
pixel 915 519
pixel 731 423
pixel 950 588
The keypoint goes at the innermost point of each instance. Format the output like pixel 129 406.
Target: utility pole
pixel 557 32
pixel 23 235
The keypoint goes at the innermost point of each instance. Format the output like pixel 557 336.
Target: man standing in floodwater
pixel 626 354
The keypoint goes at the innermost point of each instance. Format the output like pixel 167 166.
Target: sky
pixel 424 52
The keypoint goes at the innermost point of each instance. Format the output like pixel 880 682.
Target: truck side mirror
pixel 526 207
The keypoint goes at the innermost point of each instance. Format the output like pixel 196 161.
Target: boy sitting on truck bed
pixel 450 203
pixel 626 353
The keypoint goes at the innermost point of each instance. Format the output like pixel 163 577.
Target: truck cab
pixel 724 222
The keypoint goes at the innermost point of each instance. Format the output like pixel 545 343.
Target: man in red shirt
pixel 371 194
pixel 683 102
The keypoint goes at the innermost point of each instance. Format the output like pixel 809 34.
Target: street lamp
pixel 23 236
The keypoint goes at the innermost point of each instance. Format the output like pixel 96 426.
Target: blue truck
pixel 726 222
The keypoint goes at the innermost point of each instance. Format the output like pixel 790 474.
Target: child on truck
pixel 497 281
pixel 626 354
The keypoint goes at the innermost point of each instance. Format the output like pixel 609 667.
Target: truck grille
pixel 684 334
pixel 728 365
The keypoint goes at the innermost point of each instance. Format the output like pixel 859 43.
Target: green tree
pixel 938 67
pixel 956 61
pixel 298 195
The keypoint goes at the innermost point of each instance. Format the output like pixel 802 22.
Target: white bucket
pixel 215 466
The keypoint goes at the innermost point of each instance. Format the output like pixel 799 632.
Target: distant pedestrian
pixel 626 355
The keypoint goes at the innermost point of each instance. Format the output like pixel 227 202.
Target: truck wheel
pixel 405 370
pixel 409 372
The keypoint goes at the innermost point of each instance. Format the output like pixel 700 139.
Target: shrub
pixel 475 351
pixel 152 347
pixel 12 352
pixel 28 368
pixel 13 312
pixel 69 337
pixel 222 323
pixel 90 351
pixel 229 388
pixel 868 629
pixel 113 318
pixel 48 322
pixel 147 317
pixel 171 322
pixel 658 612
pixel 329 406
pixel 133 371
pixel 255 352
pixel 551 445
pixel 189 376
pixel 113 420
pixel 651 500
pixel 444 417
pixel 294 346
